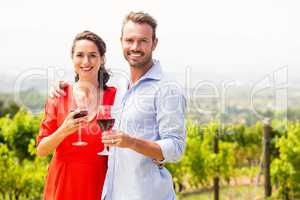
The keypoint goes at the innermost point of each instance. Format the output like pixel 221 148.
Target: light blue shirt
pixel 152 109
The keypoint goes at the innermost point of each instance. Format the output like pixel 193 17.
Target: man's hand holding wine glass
pixel 118 139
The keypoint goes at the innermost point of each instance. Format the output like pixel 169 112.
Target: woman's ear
pixel 103 60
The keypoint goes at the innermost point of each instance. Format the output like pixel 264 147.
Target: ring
pixel 112 141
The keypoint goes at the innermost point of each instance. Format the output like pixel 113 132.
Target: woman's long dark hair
pixel 103 75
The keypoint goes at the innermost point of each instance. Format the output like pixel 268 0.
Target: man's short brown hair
pixel 141 18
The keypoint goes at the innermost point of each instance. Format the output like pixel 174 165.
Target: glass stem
pixel 79 133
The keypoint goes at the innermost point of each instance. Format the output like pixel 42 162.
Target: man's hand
pixel 116 138
pixel 160 164
pixel 145 147
pixel 58 89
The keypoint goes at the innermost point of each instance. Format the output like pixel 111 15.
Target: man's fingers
pixel 58 89
pixel 109 136
pixel 51 95
pixel 51 92
pixel 110 142
pixel 61 92
pixel 62 84
pixel 56 94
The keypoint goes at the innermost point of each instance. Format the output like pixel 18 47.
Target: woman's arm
pixel 69 126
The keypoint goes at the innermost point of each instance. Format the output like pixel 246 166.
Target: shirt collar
pixel 154 73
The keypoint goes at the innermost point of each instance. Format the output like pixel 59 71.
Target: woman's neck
pixel 89 83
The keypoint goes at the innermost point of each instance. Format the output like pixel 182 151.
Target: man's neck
pixel 137 73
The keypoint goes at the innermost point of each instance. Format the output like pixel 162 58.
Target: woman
pixel 77 172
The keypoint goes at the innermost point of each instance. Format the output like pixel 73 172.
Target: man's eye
pixel 79 55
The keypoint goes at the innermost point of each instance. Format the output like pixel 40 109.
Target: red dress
pixel 74 173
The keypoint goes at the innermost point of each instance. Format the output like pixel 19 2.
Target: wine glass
pixel 80 103
pixel 105 122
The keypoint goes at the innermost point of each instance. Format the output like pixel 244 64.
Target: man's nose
pixel 135 46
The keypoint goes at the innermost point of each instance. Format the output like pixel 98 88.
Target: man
pixel 149 124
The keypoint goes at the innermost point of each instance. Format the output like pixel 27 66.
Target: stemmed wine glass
pixel 80 103
pixel 105 122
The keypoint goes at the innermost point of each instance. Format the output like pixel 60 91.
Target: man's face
pixel 137 44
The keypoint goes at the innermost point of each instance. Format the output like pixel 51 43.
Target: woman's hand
pixel 70 124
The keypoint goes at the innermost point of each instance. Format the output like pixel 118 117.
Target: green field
pixel 228 193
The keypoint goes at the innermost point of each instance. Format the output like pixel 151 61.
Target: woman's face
pixel 87 60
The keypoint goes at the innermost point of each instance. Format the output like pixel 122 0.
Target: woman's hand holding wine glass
pixel 71 123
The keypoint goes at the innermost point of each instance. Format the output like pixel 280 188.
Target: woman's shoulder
pixel 111 89
pixel 109 95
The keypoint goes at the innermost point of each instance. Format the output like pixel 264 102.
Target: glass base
pixel 104 153
pixel 79 143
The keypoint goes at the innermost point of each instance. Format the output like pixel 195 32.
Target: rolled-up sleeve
pixel 171 104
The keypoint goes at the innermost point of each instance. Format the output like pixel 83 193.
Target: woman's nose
pixel 86 59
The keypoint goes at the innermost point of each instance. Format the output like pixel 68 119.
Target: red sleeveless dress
pixel 74 173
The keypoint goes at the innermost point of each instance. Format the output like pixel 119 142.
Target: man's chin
pixel 136 64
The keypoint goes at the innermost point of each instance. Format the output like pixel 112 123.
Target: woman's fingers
pixel 81 120
pixel 72 124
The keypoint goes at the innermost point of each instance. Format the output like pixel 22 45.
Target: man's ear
pixel 154 44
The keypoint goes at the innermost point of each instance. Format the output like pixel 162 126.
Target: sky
pixel 212 40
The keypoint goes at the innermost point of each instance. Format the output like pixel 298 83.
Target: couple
pixel 149 126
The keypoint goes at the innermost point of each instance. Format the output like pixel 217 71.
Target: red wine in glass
pixel 81 113
pixel 106 123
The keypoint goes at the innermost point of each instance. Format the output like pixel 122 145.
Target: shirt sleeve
pixel 49 122
pixel 171 105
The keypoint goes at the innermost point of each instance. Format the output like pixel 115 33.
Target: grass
pixel 229 193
